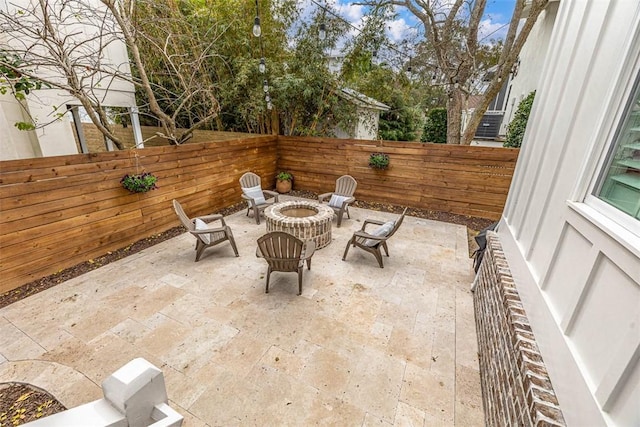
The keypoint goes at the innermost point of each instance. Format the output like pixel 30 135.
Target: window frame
pixel 601 173
pixel 584 201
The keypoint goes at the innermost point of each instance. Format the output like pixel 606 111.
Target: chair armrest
pixel 347 202
pixel 271 193
pixel 208 230
pixel 308 249
pixel 321 197
pixel 250 200
pixel 210 217
pixel 371 221
pixel 370 236
pixel 213 217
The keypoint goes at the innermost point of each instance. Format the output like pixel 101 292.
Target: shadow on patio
pixel 360 346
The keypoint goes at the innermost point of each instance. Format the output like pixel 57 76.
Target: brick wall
pixel 516 389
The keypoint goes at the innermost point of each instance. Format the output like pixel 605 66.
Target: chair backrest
pixel 281 250
pixel 346 186
pixel 184 219
pixel 249 180
pixel 397 224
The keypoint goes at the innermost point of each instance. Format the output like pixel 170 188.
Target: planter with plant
pixel 379 161
pixel 139 183
pixel 283 182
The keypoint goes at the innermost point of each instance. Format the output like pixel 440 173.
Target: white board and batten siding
pixel 575 260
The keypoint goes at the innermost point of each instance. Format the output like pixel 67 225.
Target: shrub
pixel 435 127
pixel 517 126
pixel 378 161
pixel 139 183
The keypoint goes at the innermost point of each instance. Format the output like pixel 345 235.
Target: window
pixel 619 183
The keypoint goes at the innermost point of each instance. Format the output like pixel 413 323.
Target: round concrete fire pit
pixel 304 219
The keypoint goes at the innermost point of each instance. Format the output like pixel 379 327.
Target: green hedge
pixel 435 127
pixel 515 129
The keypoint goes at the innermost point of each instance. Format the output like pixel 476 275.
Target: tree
pixel 451 28
pixel 64 44
pixel 16 83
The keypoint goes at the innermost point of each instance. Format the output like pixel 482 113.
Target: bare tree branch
pixel 64 44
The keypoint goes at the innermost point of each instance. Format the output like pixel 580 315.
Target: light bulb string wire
pixel 262 58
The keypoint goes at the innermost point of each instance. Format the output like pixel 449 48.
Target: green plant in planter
pixel 284 182
pixel 284 176
pixel 378 161
pixel 139 183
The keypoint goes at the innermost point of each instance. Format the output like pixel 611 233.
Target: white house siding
pixel 531 58
pixel 56 138
pixel 576 268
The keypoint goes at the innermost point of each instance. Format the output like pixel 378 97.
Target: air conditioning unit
pixel 490 125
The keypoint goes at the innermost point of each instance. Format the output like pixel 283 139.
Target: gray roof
pixel 362 100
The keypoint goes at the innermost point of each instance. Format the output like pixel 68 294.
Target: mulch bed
pixel 21 403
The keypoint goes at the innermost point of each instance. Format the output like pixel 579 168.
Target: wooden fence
pixel 59 211
pixel 464 180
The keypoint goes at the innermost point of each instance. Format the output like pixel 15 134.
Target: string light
pixel 257 30
pixel 323 29
pixel 262 66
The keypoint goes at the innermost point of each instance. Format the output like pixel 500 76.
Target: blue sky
pixel 494 22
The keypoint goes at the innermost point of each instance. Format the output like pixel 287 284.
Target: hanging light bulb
pixel 269 105
pixel 322 32
pixel 265 86
pixel 257 30
pixel 263 66
pixel 267 98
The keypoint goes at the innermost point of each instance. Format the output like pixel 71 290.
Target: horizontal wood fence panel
pixel 59 211
pixel 459 179
pixel 56 212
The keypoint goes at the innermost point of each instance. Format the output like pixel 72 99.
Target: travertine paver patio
pixel 361 346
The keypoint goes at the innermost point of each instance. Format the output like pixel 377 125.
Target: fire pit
pixel 304 219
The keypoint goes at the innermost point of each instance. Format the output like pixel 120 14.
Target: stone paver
pixel 361 346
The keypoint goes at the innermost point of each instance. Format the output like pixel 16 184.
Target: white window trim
pixel 622 227
pixel 607 218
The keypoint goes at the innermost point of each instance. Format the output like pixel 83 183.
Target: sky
pixel 494 22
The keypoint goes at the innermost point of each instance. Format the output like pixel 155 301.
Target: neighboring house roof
pixel 362 100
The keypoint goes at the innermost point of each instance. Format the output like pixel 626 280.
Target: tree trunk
pixel 454 117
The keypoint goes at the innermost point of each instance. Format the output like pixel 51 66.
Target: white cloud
pixel 490 29
pixel 397 30
pixel 350 12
